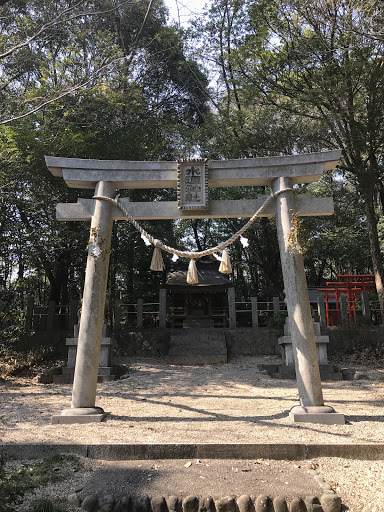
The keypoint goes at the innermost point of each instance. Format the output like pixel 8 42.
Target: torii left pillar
pixel 83 408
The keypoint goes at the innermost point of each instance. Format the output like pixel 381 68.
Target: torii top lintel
pixel 303 168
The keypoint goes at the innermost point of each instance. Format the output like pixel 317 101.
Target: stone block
pixel 106 503
pixel 330 502
pixel 174 504
pixel 45 378
pixel 263 504
pixel 68 372
pixel 62 379
pixel 141 504
pixel 333 418
pixel 207 505
pixel 297 505
pixel 123 504
pixel 70 420
pixel 280 505
pixel 74 499
pixel 190 504
pixel 226 504
pixel 105 351
pixel 198 347
pixel 158 504
pixel 245 504
pixel 90 503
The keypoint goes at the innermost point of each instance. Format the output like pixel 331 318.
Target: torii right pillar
pixel 311 408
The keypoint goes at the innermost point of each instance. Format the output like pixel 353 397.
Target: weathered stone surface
pixel 141 504
pixel 262 341
pixel 253 342
pixel 312 503
pixel 226 504
pixel 74 499
pixel 106 503
pixel 330 502
pixel 197 347
pixel 159 504
pixel 323 484
pixel 174 504
pixel 207 505
pixel 190 504
pixel 123 504
pixel 280 505
pixel 90 503
pixel 263 504
pixel 298 307
pixel 297 505
pixel 245 504
pixel 316 507
pixel 84 173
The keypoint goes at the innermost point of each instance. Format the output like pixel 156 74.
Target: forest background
pixel 115 79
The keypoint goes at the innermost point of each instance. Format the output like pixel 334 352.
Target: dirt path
pixel 233 403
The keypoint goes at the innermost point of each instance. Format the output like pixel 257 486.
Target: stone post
pixel 139 313
pixel 276 305
pixel 92 312
pixel 365 305
pixel 231 308
pixel 51 315
pixel 343 302
pixel 29 312
pixel 321 311
pixel 255 312
pixel 162 308
pixel 73 309
pixel 117 313
pixel 312 408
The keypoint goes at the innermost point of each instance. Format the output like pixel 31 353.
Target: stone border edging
pixel 328 502
pixel 273 451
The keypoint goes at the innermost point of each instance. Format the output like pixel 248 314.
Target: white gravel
pixel 159 403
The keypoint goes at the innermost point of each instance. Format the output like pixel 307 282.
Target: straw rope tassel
pixel 157 259
pixel 192 277
pixel 225 265
pixel 157 263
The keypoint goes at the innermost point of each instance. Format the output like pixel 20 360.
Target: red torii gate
pixel 352 285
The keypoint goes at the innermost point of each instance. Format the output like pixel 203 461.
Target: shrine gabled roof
pixel 207 278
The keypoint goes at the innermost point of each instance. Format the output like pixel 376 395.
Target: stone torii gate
pixel 280 173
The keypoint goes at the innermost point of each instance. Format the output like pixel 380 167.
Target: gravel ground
pixel 237 402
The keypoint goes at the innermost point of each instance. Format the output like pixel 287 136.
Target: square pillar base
pixel 323 415
pixel 79 415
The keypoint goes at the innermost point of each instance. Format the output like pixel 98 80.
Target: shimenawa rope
pixel 157 262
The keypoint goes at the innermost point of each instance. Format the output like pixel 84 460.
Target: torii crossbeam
pixel 280 173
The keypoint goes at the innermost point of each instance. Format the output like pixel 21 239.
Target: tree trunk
pixel 375 249
pixel 58 283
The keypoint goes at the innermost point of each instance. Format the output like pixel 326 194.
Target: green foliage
pixel 18 357
pixel 291 77
pixel 277 321
pixel 44 505
pixel 17 479
pixel 147 105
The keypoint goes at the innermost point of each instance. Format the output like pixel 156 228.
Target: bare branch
pixel 98 72
pixel 57 21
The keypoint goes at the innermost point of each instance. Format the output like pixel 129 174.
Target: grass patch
pixel 16 480
pixel 14 362
pixel 44 505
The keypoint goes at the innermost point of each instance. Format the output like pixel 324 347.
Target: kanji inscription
pixel 192 185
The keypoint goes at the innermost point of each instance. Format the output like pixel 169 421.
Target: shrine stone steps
pixel 198 347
